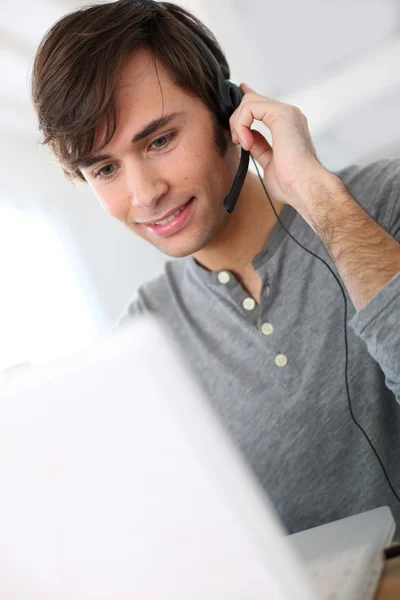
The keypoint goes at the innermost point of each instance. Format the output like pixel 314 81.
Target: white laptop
pixel 117 481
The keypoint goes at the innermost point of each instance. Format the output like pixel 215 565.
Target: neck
pixel 243 233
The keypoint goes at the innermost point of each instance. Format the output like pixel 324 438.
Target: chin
pixel 179 251
pixel 187 245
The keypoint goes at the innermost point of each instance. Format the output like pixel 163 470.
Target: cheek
pixel 192 164
pixel 114 201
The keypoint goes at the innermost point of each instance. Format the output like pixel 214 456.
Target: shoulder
pixel 376 188
pixel 153 296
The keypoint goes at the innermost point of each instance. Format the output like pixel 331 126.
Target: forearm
pixel 365 255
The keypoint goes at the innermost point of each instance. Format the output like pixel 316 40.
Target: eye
pixel 163 141
pixel 105 172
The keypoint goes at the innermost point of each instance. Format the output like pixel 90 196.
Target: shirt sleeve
pixel 378 323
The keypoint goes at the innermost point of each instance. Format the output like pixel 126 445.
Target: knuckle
pixel 294 109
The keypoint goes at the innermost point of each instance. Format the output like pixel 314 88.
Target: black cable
pixel 345 335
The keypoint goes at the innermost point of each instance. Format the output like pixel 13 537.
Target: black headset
pixel 230 96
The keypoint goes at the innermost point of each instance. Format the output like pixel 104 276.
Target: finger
pixel 245 88
pixel 234 119
pixel 248 90
pixel 261 150
pixel 263 110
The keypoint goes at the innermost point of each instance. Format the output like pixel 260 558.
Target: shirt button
pixel 267 328
pixel 268 291
pixel 224 277
pixel 281 360
pixel 249 304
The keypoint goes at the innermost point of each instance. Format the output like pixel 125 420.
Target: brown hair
pixel 75 73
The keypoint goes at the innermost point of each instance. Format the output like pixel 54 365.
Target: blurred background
pixel 67 269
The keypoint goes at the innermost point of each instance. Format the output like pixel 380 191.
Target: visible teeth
pixel 170 218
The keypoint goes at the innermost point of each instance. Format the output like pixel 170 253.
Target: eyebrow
pixel 147 130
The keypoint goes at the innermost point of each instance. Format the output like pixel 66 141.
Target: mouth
pixel 173 223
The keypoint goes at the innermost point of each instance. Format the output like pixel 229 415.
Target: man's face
pixel 178 167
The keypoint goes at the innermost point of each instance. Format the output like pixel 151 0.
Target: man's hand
pixel 366 256
pixel 291 165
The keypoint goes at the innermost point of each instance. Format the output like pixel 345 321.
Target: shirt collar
pixel 271 245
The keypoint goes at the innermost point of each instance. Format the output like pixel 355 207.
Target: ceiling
pixel 337 60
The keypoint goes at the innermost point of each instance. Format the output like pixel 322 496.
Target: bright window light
pixel 43 313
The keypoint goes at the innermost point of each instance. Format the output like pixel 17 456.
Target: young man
pixel 126 101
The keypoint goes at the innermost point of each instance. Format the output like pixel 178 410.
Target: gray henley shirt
pixel 275 372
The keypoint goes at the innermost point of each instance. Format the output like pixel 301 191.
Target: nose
pixel 146 186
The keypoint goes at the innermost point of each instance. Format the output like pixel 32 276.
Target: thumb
pixel 261 150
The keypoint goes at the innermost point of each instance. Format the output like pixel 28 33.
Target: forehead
pixel 144 91
pixel 140 75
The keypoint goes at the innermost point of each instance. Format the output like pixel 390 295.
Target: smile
pixel 174 222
